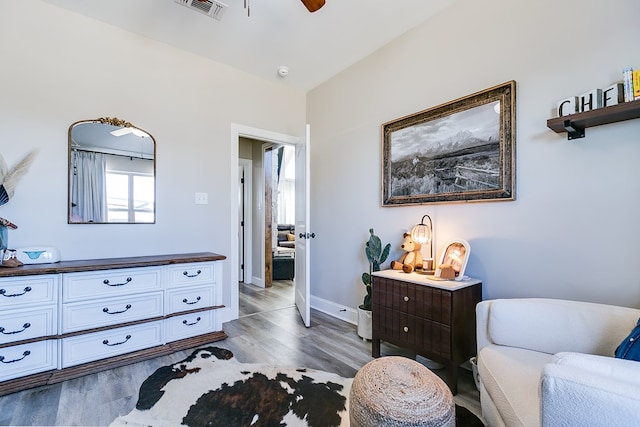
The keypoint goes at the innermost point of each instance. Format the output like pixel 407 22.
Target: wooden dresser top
pixel 108 264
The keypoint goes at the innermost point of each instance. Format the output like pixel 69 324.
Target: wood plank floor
pixel 269 330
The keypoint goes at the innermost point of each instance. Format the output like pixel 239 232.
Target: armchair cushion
pixel 552 326
pixel 583 389
pixel 510 376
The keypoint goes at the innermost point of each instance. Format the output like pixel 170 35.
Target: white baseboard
pixel 338 311
pixel 225 315
pixel 257 281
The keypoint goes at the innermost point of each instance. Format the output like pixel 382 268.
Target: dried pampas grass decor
pixel 9 177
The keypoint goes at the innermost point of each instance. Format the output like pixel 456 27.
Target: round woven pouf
pixel 396 391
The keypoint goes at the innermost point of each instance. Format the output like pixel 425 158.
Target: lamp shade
pixel 422 233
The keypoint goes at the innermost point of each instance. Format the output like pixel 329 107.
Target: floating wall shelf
pixel 575 124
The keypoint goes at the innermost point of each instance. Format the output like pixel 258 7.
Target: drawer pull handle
pixel 406 299
pixel 24 328
pixel 406 329
pixel 184 322
pixel 25 354
pixel 127 280
pixel 191 303
pixel 192 275
pixel 3 292
pixel 106 342
pixel 126 308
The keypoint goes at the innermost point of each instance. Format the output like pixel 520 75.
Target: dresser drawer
pixel 25 324
pixel 184 299
pixel 110 283
pixel 189 325
pixel 27 359
pixel 99 345
pixel 191 274
pixel 93 314
pixel 19 292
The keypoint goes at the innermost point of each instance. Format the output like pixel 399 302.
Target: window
pixel 130 197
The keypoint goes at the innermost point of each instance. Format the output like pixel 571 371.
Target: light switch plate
pixel 202 198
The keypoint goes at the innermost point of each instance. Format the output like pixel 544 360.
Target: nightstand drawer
pixel 110 283
pixel 413 332
pixel 189 325
pixel 19 292
pixel 18 325
pixel 87 315
pixel 184 299
pixel 191 274
pixel 27 359
pixel 99 345
pixel 417 300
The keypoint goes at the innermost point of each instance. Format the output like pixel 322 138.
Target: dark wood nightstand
pixel 434 318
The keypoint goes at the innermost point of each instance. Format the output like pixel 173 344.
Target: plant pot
pixel 364 324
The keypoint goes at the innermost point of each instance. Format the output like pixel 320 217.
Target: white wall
pixel 59 67
pixel 573 230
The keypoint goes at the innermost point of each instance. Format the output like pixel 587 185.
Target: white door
pixel 303 233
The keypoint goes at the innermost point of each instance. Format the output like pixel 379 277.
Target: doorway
pixel 257 250
pixel 270 169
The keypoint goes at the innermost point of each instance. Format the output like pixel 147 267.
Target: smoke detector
pixel 283 71
pixel 212 8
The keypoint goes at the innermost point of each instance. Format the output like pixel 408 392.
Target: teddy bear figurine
pixel 412 258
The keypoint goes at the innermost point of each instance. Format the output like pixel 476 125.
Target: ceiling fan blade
pixel 313 5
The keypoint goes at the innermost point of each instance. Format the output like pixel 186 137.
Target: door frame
pixel 238 131
pixel 247 202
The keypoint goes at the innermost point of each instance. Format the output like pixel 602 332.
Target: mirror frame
pixel 463 258
pixel 114 121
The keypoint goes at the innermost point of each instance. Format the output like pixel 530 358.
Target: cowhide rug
pixel 211 388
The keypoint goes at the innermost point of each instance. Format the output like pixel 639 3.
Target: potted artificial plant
pixel 376 256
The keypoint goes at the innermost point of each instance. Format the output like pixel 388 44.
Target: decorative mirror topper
pixel 460 151
pixel 111 173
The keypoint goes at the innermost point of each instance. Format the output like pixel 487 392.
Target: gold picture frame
pixel 461 151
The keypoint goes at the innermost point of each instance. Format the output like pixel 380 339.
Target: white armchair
pixel 550 362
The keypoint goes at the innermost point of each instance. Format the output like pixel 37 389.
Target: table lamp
pixel 423 234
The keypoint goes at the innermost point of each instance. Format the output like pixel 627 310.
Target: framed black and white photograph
pixel 461 151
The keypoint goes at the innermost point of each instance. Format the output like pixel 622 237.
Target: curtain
pixel 88 196
pixel 286 185
pixel 287 201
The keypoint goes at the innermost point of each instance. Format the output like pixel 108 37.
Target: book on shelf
pixel 627 81
pixel 636 84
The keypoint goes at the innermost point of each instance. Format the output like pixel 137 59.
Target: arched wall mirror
pixel 112 172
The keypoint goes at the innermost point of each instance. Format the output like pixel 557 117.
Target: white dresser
pixel 28 325
pixel 59 321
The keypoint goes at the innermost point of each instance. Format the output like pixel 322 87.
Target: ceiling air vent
pixel 213 9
